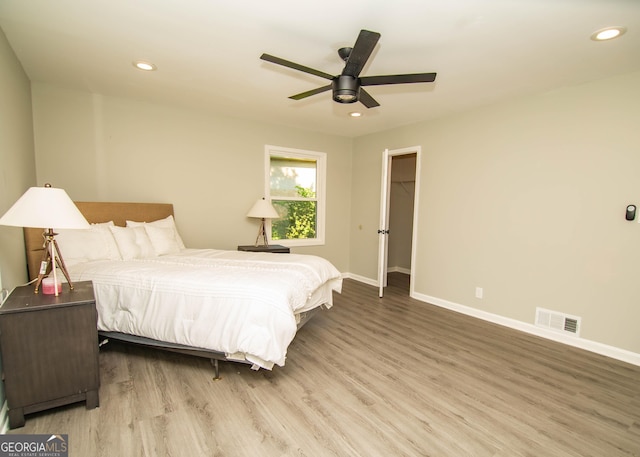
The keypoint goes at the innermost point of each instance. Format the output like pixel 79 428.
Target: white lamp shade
pixel 45 207
pixel 263 209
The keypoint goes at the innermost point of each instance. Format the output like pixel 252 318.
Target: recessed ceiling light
pixel 355 114
pixel 608 33
pixel 143 65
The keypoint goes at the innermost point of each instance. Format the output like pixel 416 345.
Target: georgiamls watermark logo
pixel 34 446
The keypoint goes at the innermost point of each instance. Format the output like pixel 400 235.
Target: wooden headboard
pixel 96 212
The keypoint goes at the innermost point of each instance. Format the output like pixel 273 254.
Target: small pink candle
pixel 48 286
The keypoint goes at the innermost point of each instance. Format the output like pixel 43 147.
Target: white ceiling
pixel 207 52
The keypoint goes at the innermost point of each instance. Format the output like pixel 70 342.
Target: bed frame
pixel 119 213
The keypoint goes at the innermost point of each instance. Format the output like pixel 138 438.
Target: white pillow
pixel 133 242
pixel 163 239
pixel 84 245
pixel 167 222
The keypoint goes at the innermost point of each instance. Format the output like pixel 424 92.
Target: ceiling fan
pixel 347 86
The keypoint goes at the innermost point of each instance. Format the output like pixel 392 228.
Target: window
pixel 295 183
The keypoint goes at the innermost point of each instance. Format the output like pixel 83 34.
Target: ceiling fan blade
pixel 295 66
pixel 397 79
pixel 360 53
pixel 309 93
pixel 367 100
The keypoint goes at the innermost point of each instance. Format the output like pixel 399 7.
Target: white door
pixel 383 228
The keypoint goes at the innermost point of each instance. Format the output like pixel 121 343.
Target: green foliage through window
pixel 297 217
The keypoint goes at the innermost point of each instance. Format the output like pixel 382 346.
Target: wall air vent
pixel 559 322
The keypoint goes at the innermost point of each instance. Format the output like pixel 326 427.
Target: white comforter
pixel 240 303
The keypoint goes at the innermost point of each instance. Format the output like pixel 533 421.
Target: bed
pixel 151 290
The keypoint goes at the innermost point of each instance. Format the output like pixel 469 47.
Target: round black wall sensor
pixel 631 212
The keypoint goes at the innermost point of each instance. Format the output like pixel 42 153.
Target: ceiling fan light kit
pixel 345 89
pixel 347 86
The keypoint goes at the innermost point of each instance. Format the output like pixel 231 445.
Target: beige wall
pixel 17 161
pixel 211 168
pixel 525 199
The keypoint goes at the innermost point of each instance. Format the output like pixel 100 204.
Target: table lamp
pixel 47 207
pixel 262 209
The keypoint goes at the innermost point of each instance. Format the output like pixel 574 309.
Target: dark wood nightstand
pixel 49 350
pixel 277 248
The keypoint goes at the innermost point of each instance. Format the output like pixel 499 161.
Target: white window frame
pixel 321 179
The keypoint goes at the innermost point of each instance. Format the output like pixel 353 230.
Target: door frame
pixel 385 194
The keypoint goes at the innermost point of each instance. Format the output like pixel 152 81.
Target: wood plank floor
pixel 370 377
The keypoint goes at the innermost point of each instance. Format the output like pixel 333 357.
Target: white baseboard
pixel 374 282
pixel 592 346
pixel 362 279
pixel 396 269
pixel 588 345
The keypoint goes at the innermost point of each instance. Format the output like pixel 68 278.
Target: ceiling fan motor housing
pixel 344 53
pixel 345 89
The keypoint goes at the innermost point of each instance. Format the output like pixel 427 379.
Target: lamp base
pixel 51 254
pixel 262 234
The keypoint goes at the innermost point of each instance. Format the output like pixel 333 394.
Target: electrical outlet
pixel 479 292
